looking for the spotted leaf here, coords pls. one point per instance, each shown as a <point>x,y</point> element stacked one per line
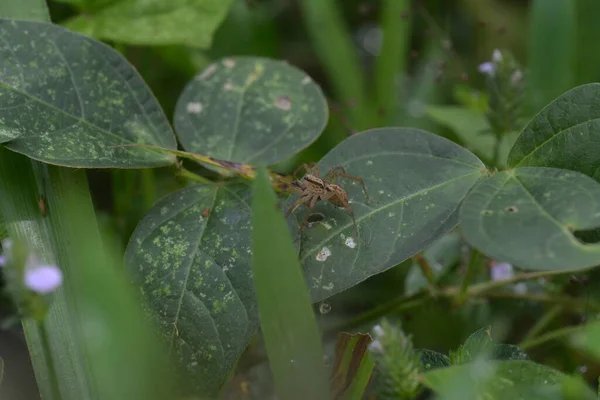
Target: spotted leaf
<point>69,100</point>
<point>527,216</point>
<point>191,257</point>
<point>250,110</point>
<point>416,181</point>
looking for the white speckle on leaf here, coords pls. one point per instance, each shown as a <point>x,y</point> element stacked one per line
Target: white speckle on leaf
<point>194,108</point>
<point>328,287</point>
<point>350,242</point>
<point>381,192</point>
<point>326,225</point>
<point>228,86</point>
<point>306,80</point>
<point>391,214</point>
<point>323,254</point>
<point>369,162</point>
<point>208,71</point>
<point>229,63</point>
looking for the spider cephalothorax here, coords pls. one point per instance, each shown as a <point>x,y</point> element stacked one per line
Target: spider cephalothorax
<point>312,189</point>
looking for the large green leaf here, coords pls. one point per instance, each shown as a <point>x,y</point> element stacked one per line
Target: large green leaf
<point>287,320</point>
<point>527,216</point>
<point>70,100</point>
<point>416,181</point>
<point>565,134</point>
<point>496,380</point>
<point>155,22</point>
<point>250,110</point>
<point>191,256</point>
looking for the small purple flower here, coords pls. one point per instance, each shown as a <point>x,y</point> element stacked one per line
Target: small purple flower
<point>2,261</point>
<point>488,68</point>
<point>43,278</point>
<point>501,271</point>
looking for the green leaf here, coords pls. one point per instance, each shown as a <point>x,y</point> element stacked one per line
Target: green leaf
<point>494,380</point>
<point>478,345</point>
<point>416,181</point>
<point>191,256</point>
<point>155,22</point>
<point>353,366</point>
<point>527,216</point>
<point>508,352</point>
<point>589,339</point>
<point>69,100</point>
<point>1,372</point>
<point>287,320</point>
<point>473,129</point>
<point>565,134</point>
<point>432,359</point>
<point>441,256</point>
<point>552,50</point>
<point>250,110</point>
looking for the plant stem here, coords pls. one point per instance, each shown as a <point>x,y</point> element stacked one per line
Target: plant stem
<point>542,323</point>
<point>472,270</point>
<point>45,344</point>
<point>333,44</point>
<point>427,271</point>
<point>486,286</point>
<point>392,58</point>
<point>551,336</point>
<point>148,187</point>
<point>192,176</point>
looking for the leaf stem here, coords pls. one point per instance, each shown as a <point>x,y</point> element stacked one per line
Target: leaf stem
<point>542,323</point>
<point>551,336</point>
<point>187,174</point>
<point>148,187</point>
<point>427,271</point>
<point>472,270</point>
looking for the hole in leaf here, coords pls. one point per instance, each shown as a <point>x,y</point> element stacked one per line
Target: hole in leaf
<point>314,219</point>
<point>588,236</point>
<point>511,209</point>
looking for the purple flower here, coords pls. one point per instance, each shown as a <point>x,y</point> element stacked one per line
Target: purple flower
<point>43,278</point>
<point>501,271</point>
<point>2,261</point>
<point>488,68</point>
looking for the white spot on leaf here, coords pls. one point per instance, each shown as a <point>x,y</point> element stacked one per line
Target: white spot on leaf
<point>306,80</point>
<point>194,108</point>
<point>228,86</point>
<point>350,242</point>
<point>229,63</point>
<point>323,254</point>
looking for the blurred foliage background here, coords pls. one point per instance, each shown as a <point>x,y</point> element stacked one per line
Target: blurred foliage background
<point>436,47</point>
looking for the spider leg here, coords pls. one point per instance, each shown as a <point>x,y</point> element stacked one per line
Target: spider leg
<point>304,166</point>
<point>297,203</point>
<point>349,209</point>
<point>313,202</point>
<point>354,178</point>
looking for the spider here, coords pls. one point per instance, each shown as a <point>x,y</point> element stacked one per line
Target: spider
<point>312,189</point>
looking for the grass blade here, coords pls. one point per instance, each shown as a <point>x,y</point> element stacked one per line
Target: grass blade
<point>288,324</point>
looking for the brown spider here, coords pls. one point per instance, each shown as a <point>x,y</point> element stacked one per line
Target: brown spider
<point>312,189</point>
